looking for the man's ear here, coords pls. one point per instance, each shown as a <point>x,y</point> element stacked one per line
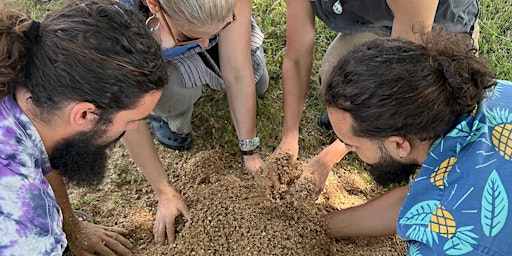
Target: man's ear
<point>82,115</point>
<point>398,146</point>
<point>153,5</point>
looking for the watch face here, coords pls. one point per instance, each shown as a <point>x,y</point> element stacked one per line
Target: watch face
<point>337,8</point>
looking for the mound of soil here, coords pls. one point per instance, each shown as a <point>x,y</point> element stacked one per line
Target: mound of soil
<point>231,213</point>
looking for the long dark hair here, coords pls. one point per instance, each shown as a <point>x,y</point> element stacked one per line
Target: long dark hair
<point>96,51</point>
<point>394,87</point>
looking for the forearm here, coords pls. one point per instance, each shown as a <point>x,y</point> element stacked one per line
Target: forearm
<point>237,72</point>
<point>61,195</point>
<point>296,82</point>
<point>242,106</point>
<point>334,152</point>
<point>297,64</point>
<point>141,148</point>
<point>411,17</point>
<point>375,218</point>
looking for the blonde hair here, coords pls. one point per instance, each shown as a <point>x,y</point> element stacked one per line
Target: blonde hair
<point>198,13</point>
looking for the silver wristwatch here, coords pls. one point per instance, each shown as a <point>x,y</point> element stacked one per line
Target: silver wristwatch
<point>249,143</point>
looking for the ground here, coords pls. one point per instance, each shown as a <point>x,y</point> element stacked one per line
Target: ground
<point>231,214</point>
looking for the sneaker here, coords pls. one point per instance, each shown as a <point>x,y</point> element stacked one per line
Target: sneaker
<point>324,121</point>
<point>167,137</point>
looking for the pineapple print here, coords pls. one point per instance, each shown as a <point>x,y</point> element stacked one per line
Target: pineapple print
<point>501,121</point>
<point>442,222</point>
<point>441,172</point>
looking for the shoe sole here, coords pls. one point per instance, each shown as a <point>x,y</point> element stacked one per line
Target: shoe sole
<point>158,121</point>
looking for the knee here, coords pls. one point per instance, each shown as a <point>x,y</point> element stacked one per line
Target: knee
<point>262,83</point>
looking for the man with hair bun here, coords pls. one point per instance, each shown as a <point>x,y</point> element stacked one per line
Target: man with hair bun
<point>430,113</point>
<point>355,22</point>
<point>70,87</point>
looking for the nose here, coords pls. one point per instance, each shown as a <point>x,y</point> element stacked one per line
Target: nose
<point>204,42</point>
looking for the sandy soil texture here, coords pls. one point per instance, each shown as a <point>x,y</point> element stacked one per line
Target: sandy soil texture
<point>231,213</point>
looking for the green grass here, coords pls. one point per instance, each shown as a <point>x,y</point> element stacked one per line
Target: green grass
<point>496,36</point>
<point>212,122</point>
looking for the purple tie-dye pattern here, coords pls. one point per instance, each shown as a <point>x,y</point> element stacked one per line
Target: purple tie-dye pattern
<point>8,134</point>
<point>29,214</point>
<point>34,208</point>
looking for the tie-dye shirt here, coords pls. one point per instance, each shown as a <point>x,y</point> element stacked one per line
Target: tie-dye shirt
<point>30,219</point>
<point>460,201</point>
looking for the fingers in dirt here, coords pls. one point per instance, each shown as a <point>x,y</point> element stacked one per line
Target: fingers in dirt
<point>171,233</point>
<point>121,231</point>
<point>122,240</point>
<point>159,233</point>
<point>106,249</point>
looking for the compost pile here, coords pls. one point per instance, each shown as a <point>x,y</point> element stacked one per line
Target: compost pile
<point>231,213</point>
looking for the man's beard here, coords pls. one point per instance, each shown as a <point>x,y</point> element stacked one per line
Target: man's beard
<point>390,171</point>
<point>81,158</point>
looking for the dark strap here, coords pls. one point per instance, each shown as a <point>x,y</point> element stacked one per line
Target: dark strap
<point>251,151</point>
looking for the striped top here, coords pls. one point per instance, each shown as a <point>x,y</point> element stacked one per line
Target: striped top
<point>197,67</point>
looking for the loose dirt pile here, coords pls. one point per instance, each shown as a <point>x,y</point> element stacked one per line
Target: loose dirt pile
<point>231,214</point>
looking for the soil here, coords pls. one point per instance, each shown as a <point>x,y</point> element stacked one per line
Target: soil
<point>231,213</point>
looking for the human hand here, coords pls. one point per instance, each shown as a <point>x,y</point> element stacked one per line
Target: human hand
<point>254,164</point>
<point>287,147</point>
<point>258,169</point>
<point>316,172</point>
<point>318,167</point>
<point>170,205</point>
<point>87,238</point>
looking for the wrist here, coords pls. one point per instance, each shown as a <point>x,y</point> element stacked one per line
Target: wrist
<point>164,190</point>
<point>249,144</point>
<point>70,224</point>
<point>250,152</point>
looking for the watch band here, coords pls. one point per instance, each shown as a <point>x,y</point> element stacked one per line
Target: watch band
<point>250,152</point>
<point>249,143</point>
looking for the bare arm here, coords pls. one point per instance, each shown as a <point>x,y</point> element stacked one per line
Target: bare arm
<point>61,195</point>
<point>321,165</point>
<point>297,64</point>
<point>375,218</point>
<point>141,147</point>
<point>410,15</point>
<point>236,68</point>
<point>86,238</point>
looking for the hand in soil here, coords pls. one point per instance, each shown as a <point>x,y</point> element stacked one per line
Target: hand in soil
<point>305,188</point>
<point>265,179</point>
<point>316,173</point>
<point>253,164</point>
<point>280,172</point>
<point>291,150</point>
<point>170,205</point>
<point>88,238</point>
<point>258,169</point>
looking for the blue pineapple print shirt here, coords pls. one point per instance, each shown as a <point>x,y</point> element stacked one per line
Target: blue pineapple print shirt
<point>460,201</point>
